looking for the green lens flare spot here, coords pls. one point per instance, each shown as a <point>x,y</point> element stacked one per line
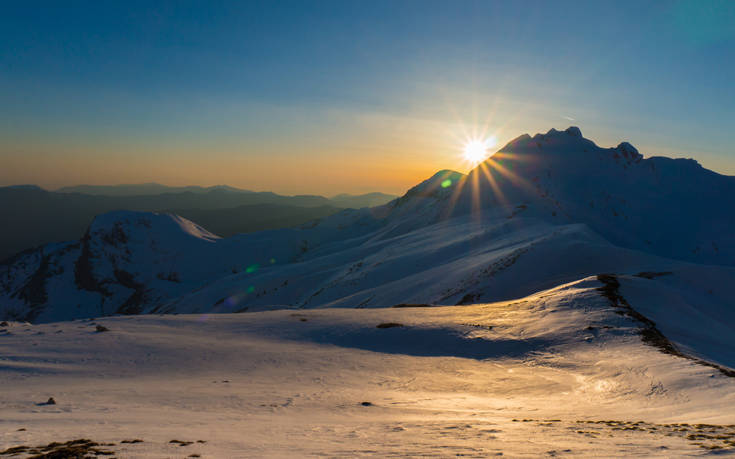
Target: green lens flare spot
<point>251,289</point>
<point>446,183</point>
<point>252,268</point>
<point>273,261</point>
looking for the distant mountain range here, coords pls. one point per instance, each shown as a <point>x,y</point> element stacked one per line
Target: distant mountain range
<point>33,216</point>
<point>143,189</point>
<point>345,200</point>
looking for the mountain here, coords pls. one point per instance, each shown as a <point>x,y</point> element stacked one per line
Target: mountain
<point>669,207</point>
<point>362,200</point>
<point>545,210</point>
<point>143,189</point>
<point>254,217</point>
<point>34,216</point>
<point>344,200</point>
<point>561,298</point>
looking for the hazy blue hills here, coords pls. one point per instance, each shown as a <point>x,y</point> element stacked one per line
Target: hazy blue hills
<point>253,217</point>
<point>142,189</point>
<point>34,216</point>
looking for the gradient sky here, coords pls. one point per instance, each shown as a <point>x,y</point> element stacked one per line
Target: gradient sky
<point>327,97</point>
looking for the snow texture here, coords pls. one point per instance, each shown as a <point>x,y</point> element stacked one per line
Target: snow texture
<point>560,299</point>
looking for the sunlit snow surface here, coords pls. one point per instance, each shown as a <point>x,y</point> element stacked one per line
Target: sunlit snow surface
<point>636,362</point>
<point>521,378</point>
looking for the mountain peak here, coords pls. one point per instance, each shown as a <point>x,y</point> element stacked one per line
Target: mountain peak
<point>120,223</point>
<point>571,130</point>
<point>442,179</point>
<point>435,185</point>
<point>570,137</point>
<point>568,140</point>
<point>628,150</point>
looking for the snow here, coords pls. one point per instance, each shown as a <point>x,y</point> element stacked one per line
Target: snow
<point>557,281</point>
<point>285,383</point>
<point>556,203</point>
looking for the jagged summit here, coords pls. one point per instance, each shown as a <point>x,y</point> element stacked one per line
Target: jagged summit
<point>629,151</point>
<point>587,156</point>
<point>574,130</point>
<point>568,138</point>
<point>571,130</point>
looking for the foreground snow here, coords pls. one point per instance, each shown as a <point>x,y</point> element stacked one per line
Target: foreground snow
<point>562,372</point>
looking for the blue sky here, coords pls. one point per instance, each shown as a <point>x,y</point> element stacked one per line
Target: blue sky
<point>281,95</point>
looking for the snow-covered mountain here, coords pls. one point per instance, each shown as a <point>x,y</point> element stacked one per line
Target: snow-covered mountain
<point>543,211</point>
<point>561,298</point>
<point>669,207</point>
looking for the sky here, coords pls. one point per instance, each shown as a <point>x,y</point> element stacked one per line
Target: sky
<point>349,96</point>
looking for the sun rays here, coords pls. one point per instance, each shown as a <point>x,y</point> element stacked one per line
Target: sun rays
<point>492,176</point>
<point>476,150</point>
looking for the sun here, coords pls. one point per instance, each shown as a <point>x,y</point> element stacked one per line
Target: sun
<point>475,150</point>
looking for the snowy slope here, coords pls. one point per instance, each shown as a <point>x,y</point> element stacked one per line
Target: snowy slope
<point>135,262</point>
<point>126,262</point>
<point>587,311</point>
<point>562,372</point>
